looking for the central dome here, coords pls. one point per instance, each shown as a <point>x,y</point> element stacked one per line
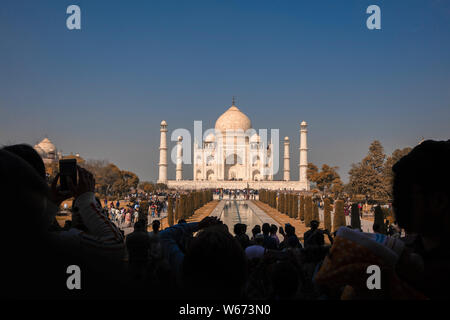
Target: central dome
<point>233,119</point>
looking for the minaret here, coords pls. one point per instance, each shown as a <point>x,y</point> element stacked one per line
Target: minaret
<point>287,171</point>
<point>179,175</point>
<point>303,153</point>
<point>163,154</point>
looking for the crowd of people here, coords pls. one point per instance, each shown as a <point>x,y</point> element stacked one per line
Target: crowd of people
<point>206,260</point>
<point>125,216</point>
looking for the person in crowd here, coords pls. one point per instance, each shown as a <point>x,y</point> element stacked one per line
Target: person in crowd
<point>90,249</point>
<point>256,250</point>
<point>269,242</point>
<point>240,235</point>
<point>155,244</point>
<point>128,218</point>
<point>421,203</point>
<point>314,236</point>
<point>273,233</point>
<point>138,248</point>
<point>289,236</point>
<point>135,216</point>
<point>213,251</point>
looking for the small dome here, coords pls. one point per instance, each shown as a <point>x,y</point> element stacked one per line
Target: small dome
<point>303,123</point>
<point>233,119</point>
<point>210,138</point>
<point>47,146</point>
<point>164,123</point>
<point>255,138</point>
<point>286,138</point>
<point>180,138</point>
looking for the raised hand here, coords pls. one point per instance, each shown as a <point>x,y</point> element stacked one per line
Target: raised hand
<point>56,195</point>
<point>86,182</point>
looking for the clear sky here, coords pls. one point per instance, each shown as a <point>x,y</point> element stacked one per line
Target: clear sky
<point>102,91</point>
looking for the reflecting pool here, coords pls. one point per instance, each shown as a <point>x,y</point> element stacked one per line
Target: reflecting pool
<point>237,211</point>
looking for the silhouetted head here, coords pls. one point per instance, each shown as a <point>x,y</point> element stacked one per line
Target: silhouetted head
<point>214,265</point>
<point>139,226</point>
<point>314,224</point>
<point>181,221</point>
<point>24,192</point>
<point>27,153</point>
<point>156,225</point>
<point>266,228</point>
<point>256,229</point>
<point>273,229</point>
<point>239,229</point>
<point>421,189</point>
<point>292,241</point>
<point>290,230</point>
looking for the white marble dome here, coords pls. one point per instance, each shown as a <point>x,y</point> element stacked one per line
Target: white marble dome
<point>233,119</point>
<point>255,138</point>
<point>46,146</point>
<point>210,138</point>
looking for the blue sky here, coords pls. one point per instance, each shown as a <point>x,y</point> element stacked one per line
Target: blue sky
<point>102,91</point>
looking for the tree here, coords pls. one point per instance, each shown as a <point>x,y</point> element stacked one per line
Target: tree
<point>302,208</point>
<point>177,210</point>
<point>308,211</point>
<point>337,188</point>
<point>312,172</point>
<point>295,210</point>
<point>327,214</point>
<point>339,217</point>
<point>147,186</point>
<point>315,215</point>
<point>327,177</point>
<point>367,177</point>
<point>130,179</point>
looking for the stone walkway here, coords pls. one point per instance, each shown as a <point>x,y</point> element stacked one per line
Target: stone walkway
<point>282,219</point>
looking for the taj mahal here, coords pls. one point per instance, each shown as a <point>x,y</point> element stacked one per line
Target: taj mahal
<point>234,156</point>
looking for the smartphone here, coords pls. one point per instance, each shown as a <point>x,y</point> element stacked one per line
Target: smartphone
<point>67,168</point>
